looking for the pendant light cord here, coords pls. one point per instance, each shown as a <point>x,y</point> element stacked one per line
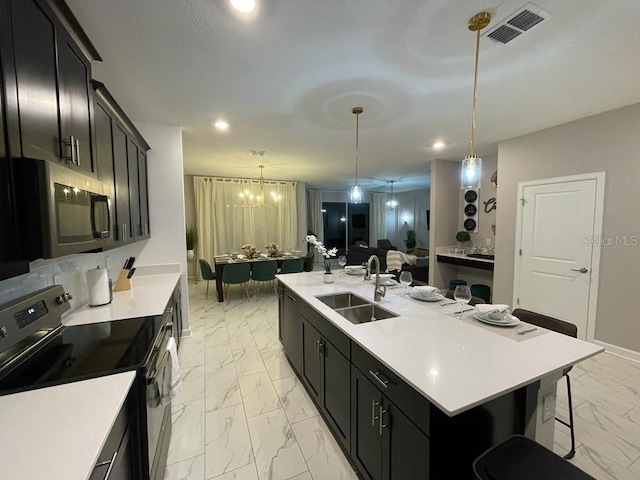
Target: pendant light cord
<point>475,93</point>
<point>357,130</point>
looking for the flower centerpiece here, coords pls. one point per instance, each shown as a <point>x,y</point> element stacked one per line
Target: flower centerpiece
<point>273,249</point>
<point>249,250</point>
<point>327,254</point>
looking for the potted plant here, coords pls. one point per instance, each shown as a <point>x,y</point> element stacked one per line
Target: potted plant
<point>410,241</point>
<point>462,237</point>
<point>327,254</point>
<point>192,240</point>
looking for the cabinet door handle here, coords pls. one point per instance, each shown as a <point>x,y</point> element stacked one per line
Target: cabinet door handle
<point>71,144</point>
<point>381,425</point>
<point>374,417</point>
<point>317,355</point>
<point>77,151</point>
<point>293,299</point>
<point>321,348</point>
<point>384,383</point>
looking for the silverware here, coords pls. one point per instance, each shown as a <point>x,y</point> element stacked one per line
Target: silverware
<point>524,332</point>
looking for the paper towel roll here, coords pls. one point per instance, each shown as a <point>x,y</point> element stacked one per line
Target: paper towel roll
<point>98,284</point>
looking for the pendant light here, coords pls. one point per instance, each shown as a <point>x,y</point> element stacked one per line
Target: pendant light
<point>392,203</point>
<point>356,192</point>
<point>472,164</point>
<point>249,200</point>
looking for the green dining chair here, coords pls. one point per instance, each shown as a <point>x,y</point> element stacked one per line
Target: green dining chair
<point>264,271</point>
<point>236,274</point>
<point>294,265</point>
<point>207,274</point>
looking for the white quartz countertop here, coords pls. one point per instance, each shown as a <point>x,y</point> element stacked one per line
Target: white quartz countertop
<point>58,432</point>
<point>454,363</point>
<point>148,297</point>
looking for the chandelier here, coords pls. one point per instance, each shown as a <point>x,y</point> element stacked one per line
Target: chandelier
<point>356,192</point>
<point>260,199</point>
<point>472,164</point>
<point>392,203</point>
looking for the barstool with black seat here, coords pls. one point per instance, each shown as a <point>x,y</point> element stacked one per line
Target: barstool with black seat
<point>520,458</point>
<point>565,328</point>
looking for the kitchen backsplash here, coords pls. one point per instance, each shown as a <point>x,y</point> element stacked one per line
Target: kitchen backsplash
<point>69,272</point>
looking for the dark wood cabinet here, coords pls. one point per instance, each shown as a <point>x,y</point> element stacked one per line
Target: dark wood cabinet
<point>51,73</point>
<point>291,327</point>
<point>385,444</point>
<point>121,155</point>
<point>34,51</point>
<point>326,373</point>
<point>76,103</point>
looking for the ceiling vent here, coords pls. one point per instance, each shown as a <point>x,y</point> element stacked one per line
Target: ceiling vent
<point>516,24</point>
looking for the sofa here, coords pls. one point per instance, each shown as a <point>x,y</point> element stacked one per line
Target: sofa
<point>357,255</point>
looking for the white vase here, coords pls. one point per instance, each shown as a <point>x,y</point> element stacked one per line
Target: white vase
<point>327,277</point>
<point>191,254</point>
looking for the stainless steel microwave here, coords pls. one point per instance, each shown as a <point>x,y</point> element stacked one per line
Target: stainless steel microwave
<point>60,211</point>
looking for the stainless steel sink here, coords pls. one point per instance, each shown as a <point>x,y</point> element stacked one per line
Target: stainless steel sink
<point>365,313</point>
<point>342,300</point>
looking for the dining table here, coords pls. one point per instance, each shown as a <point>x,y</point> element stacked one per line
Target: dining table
<point>220,262</point>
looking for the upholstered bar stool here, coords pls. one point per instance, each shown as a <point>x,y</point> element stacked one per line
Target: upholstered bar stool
<point>520,458</point>
<point>482,291</point>
<point>454,283</point>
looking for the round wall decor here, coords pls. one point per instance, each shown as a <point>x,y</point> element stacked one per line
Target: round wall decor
<point>469,224</point>
<point>471,196</point>
<point>470,210</point>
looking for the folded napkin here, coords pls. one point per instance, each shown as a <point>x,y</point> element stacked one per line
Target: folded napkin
<point>353,267</point>
<point>490,308</point>
<point>425,288</point>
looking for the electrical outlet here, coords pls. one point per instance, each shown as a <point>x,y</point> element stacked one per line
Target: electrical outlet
<point>488,242</point>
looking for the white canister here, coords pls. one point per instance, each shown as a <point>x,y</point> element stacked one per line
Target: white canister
<point>99,287</point>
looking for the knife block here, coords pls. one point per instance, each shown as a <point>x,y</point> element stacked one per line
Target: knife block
<point>122,283</point>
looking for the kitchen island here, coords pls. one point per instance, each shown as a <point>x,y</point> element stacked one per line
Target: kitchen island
<point>453,386</point>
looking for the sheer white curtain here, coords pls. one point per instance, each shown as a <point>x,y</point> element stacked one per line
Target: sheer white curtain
<point>378,219</point>
<point>316,223</point>
<point>225,222</point>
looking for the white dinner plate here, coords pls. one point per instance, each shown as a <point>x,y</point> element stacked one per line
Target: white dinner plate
<point>427,296</point>
<point>387,282</point>
<point>498,323</point>
<point>353,271</point>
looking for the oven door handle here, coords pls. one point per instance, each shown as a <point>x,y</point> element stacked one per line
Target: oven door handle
<point>158,368</point>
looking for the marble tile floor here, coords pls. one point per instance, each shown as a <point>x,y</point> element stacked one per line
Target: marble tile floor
<point>243,414</point>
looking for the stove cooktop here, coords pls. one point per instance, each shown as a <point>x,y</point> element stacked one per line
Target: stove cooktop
<point>37,351</point>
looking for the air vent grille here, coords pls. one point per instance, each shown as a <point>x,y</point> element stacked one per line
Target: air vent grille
<point>525,20</point>
<point>503,34</point>
<point>516,24</point>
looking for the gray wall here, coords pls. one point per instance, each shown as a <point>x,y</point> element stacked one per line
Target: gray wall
<point>410,214</point>
<point>445,198</point>
<point>608,142</point>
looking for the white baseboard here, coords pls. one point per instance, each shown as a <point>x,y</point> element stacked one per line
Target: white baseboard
<point>620,351</point>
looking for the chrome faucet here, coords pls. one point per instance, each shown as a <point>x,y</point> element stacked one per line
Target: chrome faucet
<point>379,291</point>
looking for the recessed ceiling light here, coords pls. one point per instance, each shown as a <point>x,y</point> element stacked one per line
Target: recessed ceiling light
<point>438,145</point>
<point>244,6</point>
<point>221,125</point>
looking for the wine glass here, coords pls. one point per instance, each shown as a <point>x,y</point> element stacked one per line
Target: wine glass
<point>406,279</point>
<point>342,261</point>
<point>462,295</point>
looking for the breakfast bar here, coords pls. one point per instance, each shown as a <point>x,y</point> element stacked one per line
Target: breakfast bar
<point>473,379</point>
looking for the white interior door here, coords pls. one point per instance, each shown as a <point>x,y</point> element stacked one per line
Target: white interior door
<point>556,260</point>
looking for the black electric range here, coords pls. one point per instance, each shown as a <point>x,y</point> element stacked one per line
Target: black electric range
<point>37,351</point>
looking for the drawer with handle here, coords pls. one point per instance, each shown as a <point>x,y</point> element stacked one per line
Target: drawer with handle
<point>393,387</point>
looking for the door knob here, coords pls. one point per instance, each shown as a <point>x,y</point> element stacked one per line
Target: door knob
<point>581,270</point>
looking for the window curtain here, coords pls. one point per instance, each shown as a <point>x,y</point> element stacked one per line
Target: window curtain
<point>228,215</point>
<point>316,224</point>
<point>378,218</point>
